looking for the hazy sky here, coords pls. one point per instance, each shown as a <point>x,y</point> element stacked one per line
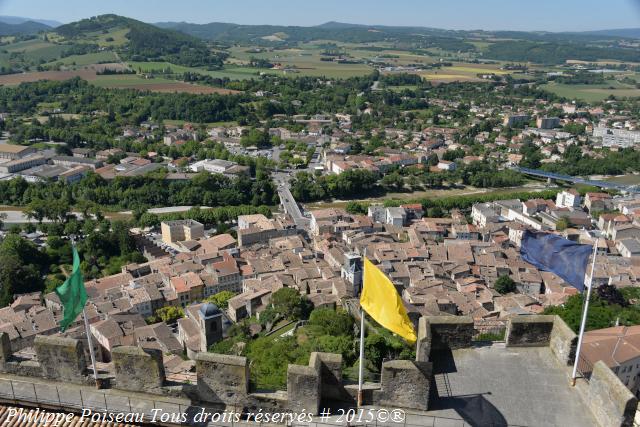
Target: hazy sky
<point>549,15</point>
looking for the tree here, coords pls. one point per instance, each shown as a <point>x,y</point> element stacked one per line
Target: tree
<point>562,224</point>
<point>290,304</point>
<point>611,295</point>
<point>505,285</point>
<point>393,181</point>
<point>356,208</point>
<point>270,358</point>
<point>169,314</point>
<point>326,321</point>
<point>221,299</point>
<point>602,313</point>
<point>37,210</point>
<point>21,268</point>
<point>149,219</point>
<point>3,216</point>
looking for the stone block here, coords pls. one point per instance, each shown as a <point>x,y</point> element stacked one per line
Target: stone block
<point>529,331</point>
<point>563,342</point>
<point>222,378</point>
<point>138,369</point>
<point>423,344</point>
<point>330,366</point>
<point>61,359</point>
<point>303,389</point>
<point>612,404</point>
<point>5,349</point>
<point>405,384</point>
<point>450,332</point>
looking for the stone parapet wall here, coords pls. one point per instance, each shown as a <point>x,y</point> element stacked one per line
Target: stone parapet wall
<point>222,378</point>
<point>563,342</point>
<point>138,369</point>
<point>529,331</point>
<point>61,358</point>
<point>444,332</point>
<point>611,403</point>
<point>405,384</point>
<point>225,380</point>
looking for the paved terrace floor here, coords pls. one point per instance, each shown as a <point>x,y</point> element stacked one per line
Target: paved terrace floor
<point>498,386</point>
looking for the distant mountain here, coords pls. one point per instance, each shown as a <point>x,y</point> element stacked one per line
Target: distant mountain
<point>521,46</point>
<point>19,20</point>
<point>27,27</point>
<point>346,32</point>
<point>333,25</point>
<point>209,31</point>
<point>633,33</point>
<point>259,34</point>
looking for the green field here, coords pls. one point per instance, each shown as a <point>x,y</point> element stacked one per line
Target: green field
<point>461,71</point>
<point>231,72</point>
<point>592,93</point>
<point>127,80</point>
<point>36,50</point>
<point>87,59</point>
<point>306,61</point>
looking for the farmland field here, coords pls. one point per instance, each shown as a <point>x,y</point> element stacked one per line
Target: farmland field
<point>306,62</point>
<point>132,81</point>
<point>461,71</point>
<point>232,72</point>
<point>37,49</point>
<point>86,59</point>
<point>127,81</point>
<point>592,93</point>
<point>15,79</point>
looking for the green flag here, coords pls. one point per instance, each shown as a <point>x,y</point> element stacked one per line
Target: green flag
<point>72,293</point>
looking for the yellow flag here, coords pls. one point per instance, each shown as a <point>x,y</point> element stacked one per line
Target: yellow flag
<point>381,300</point>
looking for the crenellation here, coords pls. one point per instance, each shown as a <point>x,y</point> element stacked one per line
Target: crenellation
<point>530,331</point>
<point>138,369</point>
<point>61,358</point>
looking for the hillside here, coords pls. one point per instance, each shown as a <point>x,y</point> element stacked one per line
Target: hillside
<point>138,41</point>
<point>23,28</point>
<point>227,32</point>
<point>539,47</point>
<point>633,33</point>
<point>20,19</point>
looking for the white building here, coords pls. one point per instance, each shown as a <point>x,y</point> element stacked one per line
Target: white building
<point>446,165</point>
<point>483,214</point>
<point>620,138</point>
<point>568,199</point>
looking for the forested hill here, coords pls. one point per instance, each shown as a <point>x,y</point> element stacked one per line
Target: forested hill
<point>28,27</point>
<point>227,32</point>
<point>538,47</point>
<point>144,42</point>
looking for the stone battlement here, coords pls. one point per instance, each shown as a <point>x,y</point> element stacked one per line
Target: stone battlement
<point>224,381</point>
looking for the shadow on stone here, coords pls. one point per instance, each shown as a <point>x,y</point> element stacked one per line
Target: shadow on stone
<point>443,362</point>
<point>475,410</point>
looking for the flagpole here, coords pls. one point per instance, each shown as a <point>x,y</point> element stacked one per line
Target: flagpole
<point>90,342</point>
<point>584,314</point>
<point>361,364</point>
<point>88,332</point>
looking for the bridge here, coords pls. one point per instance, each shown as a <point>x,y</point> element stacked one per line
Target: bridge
<point>291,207</point>
<point>577,180</point>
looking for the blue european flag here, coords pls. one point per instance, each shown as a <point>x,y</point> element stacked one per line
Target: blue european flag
<point>549,252</point>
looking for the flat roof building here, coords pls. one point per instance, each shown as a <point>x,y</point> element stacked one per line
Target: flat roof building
<point>181,230</point>
<point>13,152</point>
